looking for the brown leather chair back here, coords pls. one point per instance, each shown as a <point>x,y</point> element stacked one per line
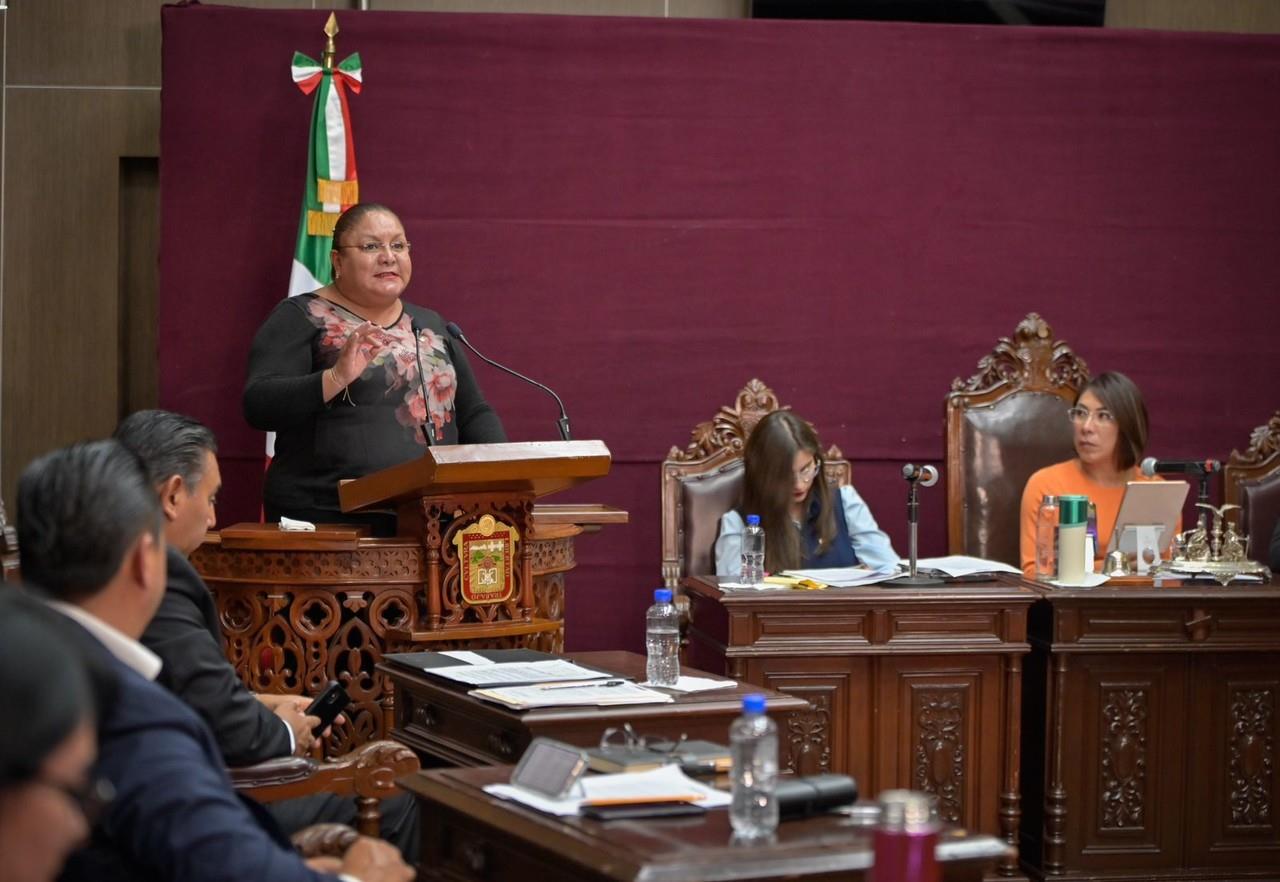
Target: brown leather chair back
<point>703,481</point>
<point>1004,423</point>
<point>1251,480</point>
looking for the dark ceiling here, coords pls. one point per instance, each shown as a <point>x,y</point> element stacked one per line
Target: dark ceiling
<point>1075,13</point>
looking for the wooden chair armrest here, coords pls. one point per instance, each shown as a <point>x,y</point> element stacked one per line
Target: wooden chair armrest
<point>369,771</point>
<point>324,840</point>
<point>273,772</point>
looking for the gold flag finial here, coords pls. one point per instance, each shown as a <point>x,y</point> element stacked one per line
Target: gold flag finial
<point>330,50</point>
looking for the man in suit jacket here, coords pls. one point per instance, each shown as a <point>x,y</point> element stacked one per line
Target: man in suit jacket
<point>180,456</point>
<point>90,536</point>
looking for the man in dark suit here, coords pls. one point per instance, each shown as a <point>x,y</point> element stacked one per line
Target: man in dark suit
<point>180,456</point>
<point>90,534</point>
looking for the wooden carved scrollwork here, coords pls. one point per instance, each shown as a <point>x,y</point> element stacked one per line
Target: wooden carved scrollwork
<point>1251,757</point>
<point>1031,359</point>
<point>809,737</point>
<point>8,548</point>
<point>939,756</point>
<point>1124,758</point>
<point>1264,443</point>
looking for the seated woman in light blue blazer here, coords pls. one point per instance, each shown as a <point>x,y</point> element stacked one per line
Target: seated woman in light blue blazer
<point>806,525</point>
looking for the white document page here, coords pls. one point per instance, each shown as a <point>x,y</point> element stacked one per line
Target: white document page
<point>665,781</point>
<point>471,658</point>
<point>516,672</point>
<point>963,565</point>
<point>847,577</point>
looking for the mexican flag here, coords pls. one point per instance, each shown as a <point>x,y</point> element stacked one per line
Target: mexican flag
<point>331,185</point>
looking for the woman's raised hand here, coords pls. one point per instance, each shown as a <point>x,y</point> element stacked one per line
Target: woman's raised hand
<point>361,347</point>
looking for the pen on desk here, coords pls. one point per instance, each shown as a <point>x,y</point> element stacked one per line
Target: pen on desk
<point>583,685</point>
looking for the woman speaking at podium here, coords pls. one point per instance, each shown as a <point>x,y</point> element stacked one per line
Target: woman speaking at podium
<point>352,379</point>
<point>806,526</point>
<point>1109,432</point>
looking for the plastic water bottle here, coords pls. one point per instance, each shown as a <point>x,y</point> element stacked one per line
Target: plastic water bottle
<point>1047,539</point>
<point>753,744</point>
<point>752,552</point>
<point>662,640</point>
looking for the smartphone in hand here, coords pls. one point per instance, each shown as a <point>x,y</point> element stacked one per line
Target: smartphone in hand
<point>328,705</point>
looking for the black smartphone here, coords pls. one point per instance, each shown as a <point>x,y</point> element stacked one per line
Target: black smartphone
<point>328,705</point>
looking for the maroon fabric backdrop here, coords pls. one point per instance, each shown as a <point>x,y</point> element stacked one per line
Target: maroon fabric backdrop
<point>646,213</point>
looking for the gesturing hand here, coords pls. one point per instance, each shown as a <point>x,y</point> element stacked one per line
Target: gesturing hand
<point>361,348</point>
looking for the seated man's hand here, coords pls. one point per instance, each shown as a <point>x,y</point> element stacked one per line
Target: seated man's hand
<point>299,723</point>
<point>372,860</point>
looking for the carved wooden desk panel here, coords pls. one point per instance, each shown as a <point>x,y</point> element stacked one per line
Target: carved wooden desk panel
<point>298,611</point>
<point>469,835</point>
<point>445,725</point>
<point>916,688</point>
<point>1151,734</point>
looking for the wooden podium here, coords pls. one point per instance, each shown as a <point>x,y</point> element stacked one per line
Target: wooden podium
<point>299,608</point>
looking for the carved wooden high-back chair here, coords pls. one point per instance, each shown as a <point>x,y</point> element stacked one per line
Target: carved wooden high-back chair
<point>9,571</point>
<point>1251,480</point>
<point>703,481</point>
<point>1004,423</point>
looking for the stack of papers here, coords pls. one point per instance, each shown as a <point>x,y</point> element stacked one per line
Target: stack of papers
<point>667,783</point>
<point>516,672</point>
<point>957,565</point>
<point>697,684</point>
<point>605,692</point>
<point>846,577</point>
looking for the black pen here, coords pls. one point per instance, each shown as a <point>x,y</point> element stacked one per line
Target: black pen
<point>583,685</point>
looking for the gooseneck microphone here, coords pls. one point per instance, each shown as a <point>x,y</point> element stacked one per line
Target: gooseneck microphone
<point>562,423</point>
<point>1152,466</point>
<point>422,383</point>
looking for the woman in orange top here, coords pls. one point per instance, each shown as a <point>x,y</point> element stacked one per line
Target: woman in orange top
<point>1109,424</point>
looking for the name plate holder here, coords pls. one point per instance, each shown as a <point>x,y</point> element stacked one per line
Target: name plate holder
<point>1142,541</point>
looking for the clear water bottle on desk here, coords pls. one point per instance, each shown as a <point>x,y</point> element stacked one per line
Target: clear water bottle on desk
<point>662,640</point>
<point>753,745</point>
<point>752,552</point>
<point>1047,539</point>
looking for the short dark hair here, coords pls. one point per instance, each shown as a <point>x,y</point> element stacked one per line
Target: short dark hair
<point>1121,396</point>
<point>168,444</point>
<point>80,509</point>
<point>353,215</point>
<point>44,682</point>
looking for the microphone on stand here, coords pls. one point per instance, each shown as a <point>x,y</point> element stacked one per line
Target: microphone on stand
<point>1152,466</point>
<point>1201,468</point>
<point>422,383</point>
<point>922,476</point>
<point>562,423</point>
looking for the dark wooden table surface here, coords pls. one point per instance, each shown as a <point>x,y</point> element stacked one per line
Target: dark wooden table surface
<point>445,725</point>
<point>469,835</point>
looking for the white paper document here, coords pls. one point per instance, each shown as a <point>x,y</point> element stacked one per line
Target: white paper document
<point>664,781</point>
<point>605,692</point>
<point>1088,580</point>
<point>516,672</point>
<point>956,565</point>
<point>846,577</point>
<point>695,684</point>
<point>471,658</point>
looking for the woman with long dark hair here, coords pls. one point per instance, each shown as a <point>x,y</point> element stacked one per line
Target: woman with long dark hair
<point>807,524</point>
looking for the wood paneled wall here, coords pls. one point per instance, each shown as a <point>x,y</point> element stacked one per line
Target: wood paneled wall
<point>80,124</point>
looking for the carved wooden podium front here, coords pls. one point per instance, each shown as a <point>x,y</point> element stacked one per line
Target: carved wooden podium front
<point>475,564</point>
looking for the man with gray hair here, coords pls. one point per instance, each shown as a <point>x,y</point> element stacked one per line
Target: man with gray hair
<point>180,455</point>
<point>90,537</point>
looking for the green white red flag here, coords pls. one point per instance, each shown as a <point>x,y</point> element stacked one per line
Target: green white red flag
<point>331,185</point>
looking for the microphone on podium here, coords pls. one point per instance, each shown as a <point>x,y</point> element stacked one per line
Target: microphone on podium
<point>562,423</point>
<point>422,383</point>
